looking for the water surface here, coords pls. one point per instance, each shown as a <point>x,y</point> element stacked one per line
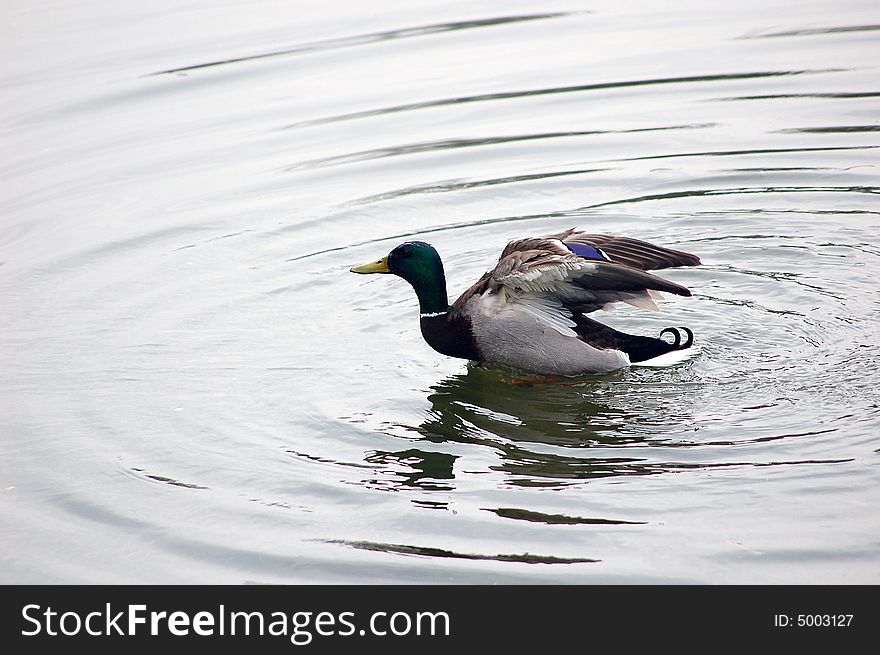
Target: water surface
<point>194,389</point>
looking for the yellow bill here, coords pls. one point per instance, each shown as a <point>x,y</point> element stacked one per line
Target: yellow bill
<point>380,266</point>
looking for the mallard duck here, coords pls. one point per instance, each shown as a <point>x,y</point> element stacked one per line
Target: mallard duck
<point>529,312</point>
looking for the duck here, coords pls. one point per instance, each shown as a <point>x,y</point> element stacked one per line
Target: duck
<point>530,311</point>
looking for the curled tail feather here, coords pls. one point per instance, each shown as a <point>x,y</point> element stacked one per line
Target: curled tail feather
<point>637,348</point>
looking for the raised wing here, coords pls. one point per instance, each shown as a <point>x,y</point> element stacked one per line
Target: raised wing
<point>583,282</point>
<point>557,277</point>
<point>630,252</point>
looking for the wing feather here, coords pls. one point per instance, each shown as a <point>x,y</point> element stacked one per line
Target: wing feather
<point>549,311</point>
<point>630,252</point>
<point>542,276</point>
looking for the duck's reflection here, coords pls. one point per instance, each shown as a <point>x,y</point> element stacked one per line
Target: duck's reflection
<point>545,432</point>
<point>486,403</point>
<point>417,468</point>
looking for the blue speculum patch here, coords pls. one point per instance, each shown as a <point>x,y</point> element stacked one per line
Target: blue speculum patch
<point>587,252</point>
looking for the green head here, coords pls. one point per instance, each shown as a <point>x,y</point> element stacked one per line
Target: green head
<point>419,264</point>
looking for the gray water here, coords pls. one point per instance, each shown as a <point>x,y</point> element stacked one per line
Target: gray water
<point>194,389</point>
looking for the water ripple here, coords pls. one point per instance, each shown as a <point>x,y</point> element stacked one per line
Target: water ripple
<point>424,551</point>
<point>837,95</point>
<point>363,39</point>
<point>578,88</point>
<point>554,519</point>
<point>735,191</point>
<point>813,31</point>
<point>452,144</point>
<point>751,151</point>
<point>447,186</point>
<point>832,130</point>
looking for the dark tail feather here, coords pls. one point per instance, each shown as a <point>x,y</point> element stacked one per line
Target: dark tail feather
<point>636,347</point>
<point>688,342</point>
